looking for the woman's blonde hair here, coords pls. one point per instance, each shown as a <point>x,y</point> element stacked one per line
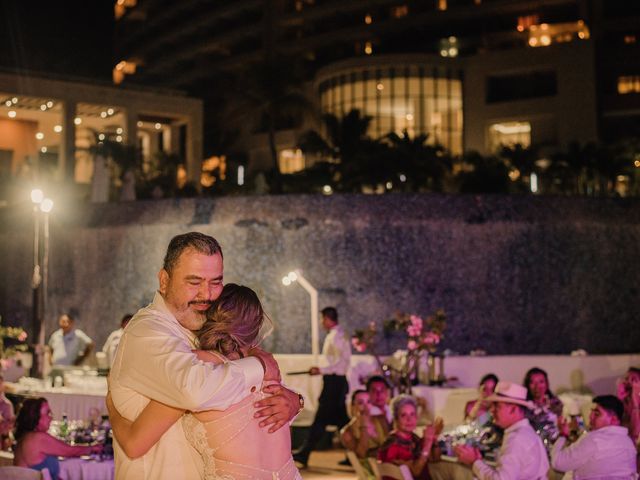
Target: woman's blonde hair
<point>233,321</point>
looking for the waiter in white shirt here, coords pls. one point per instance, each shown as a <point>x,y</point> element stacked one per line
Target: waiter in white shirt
<point>155,360</point>
<point>332,402</point>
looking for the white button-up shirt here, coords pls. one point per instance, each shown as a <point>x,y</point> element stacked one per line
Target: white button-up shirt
<point>111,345</point>
<point>154,360</point>
<point>337,352</point>
<point>66,348</point>
<point>522,456</point>
<point>606,453</point>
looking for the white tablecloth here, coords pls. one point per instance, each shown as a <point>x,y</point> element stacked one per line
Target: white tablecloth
<point>445,402</point>
<point>77,406</point>
<point>79,469</point>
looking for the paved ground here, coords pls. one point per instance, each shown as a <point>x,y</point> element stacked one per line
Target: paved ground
<point>324,465</point>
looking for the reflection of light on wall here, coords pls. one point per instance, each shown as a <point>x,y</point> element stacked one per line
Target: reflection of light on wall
<point>368,48</point>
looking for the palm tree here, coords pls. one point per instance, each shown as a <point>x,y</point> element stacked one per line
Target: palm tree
<point>268,96</point>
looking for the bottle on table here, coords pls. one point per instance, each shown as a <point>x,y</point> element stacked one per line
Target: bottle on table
<point>64,426</point>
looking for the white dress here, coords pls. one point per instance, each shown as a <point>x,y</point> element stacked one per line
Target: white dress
<point>234,447</point>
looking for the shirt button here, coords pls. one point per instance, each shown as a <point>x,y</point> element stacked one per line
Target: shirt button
<point>253,389</point>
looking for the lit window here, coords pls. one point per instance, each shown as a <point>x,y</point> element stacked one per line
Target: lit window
<point>400,11</point>
<point>368,19</point>
<point>509,134</point>
<point>546,34</point>
<point>629,84</point>
<point>291,161</point>
<point>368,48</point>
<point>630,39</point>
<point>213,169</point>
<point>449,47</point>
<point>122,69</point>
<point>120,8</point>
<point>442,4</point>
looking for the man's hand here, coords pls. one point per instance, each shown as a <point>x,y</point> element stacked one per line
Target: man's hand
<point>271,369</point>
<point>467,454</point>
<point>314,371</point>
<point>279,408</point>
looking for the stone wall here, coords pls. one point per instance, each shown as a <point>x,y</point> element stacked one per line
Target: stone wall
<point>514,274</point>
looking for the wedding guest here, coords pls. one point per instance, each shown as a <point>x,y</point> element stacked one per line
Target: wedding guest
<point>403,446</point>
<point>629,394</point>
<point>476,408</point>
<point>364,434</point>
<point>7,418</point>
<point>379,396</point>
<point>69,345</point>
<point>113,339</point>
<point>605,452</point>
<point>522,454</point>
<point>332,402</point>
<point>37,449</point>
<point>536,381</point>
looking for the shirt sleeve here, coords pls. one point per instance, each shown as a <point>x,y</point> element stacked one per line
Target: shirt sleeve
<point>509,464</point>
<point>156,361</point>
<point>86,339</point>
<point>571,457</point>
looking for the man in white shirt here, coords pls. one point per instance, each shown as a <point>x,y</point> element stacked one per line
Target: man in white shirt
<point>69,345</point>
<point>155,360</point>
<point>332,408</point>
<point>522,455</point>
<point>110,346</point>
<point>606,452</point>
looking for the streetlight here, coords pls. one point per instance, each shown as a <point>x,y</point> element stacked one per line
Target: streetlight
<point>296,276</point>
<point>41,205</point>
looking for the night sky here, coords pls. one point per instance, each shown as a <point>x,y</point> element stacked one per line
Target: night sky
<point>66,37</point>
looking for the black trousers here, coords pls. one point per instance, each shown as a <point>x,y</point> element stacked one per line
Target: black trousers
<point>331,410</point>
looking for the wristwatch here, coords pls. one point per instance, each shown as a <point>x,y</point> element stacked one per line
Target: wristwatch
<point>301,402</point>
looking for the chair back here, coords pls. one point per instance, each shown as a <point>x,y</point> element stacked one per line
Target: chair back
<point>373,463</point>
<point>19,473</point>
<point>357,466</point>
<point>397,472</point>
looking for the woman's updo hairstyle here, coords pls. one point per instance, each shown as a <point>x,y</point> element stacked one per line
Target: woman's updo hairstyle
<point>233,321</point>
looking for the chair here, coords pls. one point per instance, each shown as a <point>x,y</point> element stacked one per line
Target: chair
<point>20,473</point>
<point>390,470</point>
<point>357,466</point>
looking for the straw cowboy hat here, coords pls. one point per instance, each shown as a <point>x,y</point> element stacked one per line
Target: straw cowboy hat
<point>508,392</point>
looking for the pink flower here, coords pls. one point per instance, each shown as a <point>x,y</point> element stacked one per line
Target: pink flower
<point>412,345</point>
<point>361,347</point>
<point>23,336</point>
<point>413,331</point>
<point>431,339</point>
<point>416,321</point>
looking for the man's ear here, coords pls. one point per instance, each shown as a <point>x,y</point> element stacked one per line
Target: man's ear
<point>163,280</point>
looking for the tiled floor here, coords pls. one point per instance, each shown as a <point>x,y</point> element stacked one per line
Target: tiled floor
<point>324,465</point>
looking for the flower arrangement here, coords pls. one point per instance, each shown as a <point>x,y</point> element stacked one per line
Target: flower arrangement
<point>16,337</point>
<point>422,335</point>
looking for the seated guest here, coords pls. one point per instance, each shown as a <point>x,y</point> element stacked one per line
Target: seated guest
<point>403,447</point>
<point>69,345</point>
<point>35,448</point>
<point>629,394</point>
<point>364,434</point>
<point>7,418</point>
<point>606,452</point>
<point>379,395</point>
<point>476,408</point>
<point>113,340</point>
<point>522,455</point>
<point>547,407</point>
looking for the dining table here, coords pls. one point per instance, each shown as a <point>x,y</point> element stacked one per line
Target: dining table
<point>86,468</point>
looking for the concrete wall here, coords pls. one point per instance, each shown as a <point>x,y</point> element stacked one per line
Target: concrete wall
<point>514,274</point>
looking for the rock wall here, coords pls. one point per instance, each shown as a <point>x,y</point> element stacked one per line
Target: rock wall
<point>514,274</point>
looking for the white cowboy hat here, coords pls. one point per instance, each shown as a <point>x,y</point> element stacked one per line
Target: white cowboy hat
<point>508,392</point>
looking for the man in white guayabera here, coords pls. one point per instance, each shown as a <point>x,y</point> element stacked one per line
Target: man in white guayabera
<point>155,361</point>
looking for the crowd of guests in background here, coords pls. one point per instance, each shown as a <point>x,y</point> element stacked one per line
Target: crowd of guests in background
<point>536,437</point>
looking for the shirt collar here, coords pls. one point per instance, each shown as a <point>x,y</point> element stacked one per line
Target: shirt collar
<point>516,426</point>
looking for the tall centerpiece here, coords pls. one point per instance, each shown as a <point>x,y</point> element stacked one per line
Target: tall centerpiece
<point>423,335</point>
<point>11,342</point>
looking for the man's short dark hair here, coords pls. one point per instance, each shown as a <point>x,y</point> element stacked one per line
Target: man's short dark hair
<point>331,313</point>
<point>611,404</point>
<point>377,378</point>
<point>200,242</point>
<point>125,319</point>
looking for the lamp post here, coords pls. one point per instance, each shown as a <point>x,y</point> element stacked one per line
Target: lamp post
<point>296,276</point>
<point>39,279</point>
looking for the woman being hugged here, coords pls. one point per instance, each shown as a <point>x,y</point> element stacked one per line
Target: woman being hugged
<point>35,448</point>
<point>231,442</point>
